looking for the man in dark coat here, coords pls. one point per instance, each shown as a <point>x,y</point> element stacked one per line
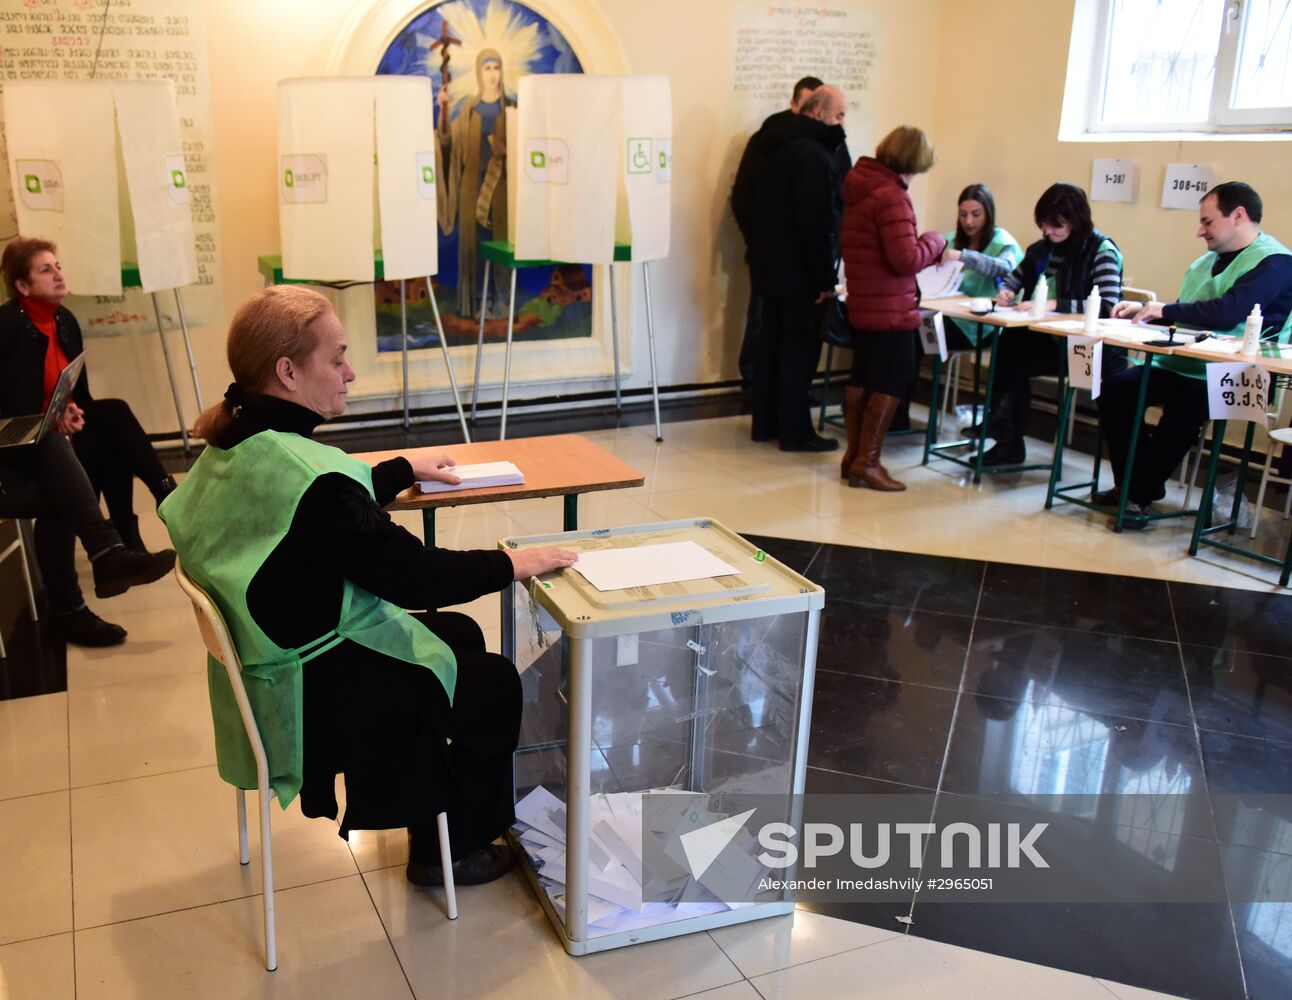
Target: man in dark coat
<point>793,246</point>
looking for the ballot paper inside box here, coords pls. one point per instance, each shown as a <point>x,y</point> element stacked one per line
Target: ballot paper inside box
<point>699,685</point>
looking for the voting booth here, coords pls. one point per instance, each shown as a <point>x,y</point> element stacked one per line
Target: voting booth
<point>700,682</point>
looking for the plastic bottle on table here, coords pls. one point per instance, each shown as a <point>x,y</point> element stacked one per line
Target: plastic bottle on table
<point>1040,297</point>
<point>1092,310</point>
<point>1252,331</point>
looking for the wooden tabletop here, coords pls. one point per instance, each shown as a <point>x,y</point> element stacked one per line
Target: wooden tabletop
<point>552,466</point>
<point>957,307</point>
<point>1273,359</point>
<point>1134,337</point>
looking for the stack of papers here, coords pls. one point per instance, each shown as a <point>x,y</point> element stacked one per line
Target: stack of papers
<point>940,280</point>
<point>1216,346</point>
<point>476,477</point>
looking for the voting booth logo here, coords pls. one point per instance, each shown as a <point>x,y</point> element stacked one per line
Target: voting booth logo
<point>664,160</point>
<point>304,178</point>
<point>177,192</point>
<point>639,156</point>
<point>40,184</point>
<point>547,161</point>
<point>425,163</point>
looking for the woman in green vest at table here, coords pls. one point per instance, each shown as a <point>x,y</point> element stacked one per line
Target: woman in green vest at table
<point>288,537</point>
<point>987,252</point>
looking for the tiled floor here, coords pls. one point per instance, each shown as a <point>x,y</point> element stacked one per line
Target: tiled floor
<point>119,875</point>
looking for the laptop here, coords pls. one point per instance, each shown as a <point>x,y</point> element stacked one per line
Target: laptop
<point>18,432</point>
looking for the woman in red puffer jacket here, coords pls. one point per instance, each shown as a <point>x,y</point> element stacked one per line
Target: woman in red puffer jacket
<point>881,255</point>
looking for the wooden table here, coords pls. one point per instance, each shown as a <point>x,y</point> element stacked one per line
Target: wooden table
<point>989,326</point>
<point>1277,360</point>
<point>1119,334</point>
<point>563,465</point>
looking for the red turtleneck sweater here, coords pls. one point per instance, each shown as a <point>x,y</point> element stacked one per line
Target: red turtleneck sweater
<point>41,314</point>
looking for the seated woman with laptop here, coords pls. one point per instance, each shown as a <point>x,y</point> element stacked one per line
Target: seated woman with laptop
<point>288,537</point>
<point>41,476</point>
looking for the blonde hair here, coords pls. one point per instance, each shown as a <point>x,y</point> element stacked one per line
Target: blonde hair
<point>906,150</point>
<point>274,323</point>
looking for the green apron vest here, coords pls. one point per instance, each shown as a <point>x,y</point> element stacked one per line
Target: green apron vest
<point>1200,285</point>
<point>977,285</point>
<point>225,519</point>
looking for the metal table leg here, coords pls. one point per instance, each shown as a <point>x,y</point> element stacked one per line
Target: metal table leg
<point>986,404</point>
<point>428,527</point>
<point>188,346</point>
<point>571,504</point>
<point>484,301</point>
<point>931,426</point>
<point>825,388</point>
<point>1209,487</point>
<point>1242,476</point>
<point>1066,397</point>
<point>1137,425</point>
<point>614,334</point>
<point>650,336</point>
<point>506,365</point>
<point>448,362</point>
<point>403,346</point>
<point>170,373</point>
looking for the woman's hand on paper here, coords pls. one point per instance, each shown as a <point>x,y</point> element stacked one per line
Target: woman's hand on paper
<point>950,254</point>
<point>536,562</point>
<point>1004,297</point>
<point>434,468</point>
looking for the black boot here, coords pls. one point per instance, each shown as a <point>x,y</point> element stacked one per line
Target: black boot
<point>163,488</point>
<point>83,627</point>
<point>490,862</point>
<point>118,569</point>
<point>128,528</point>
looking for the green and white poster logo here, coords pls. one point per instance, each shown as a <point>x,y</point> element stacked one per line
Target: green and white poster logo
<point>664,160</point>
<point>304,178</point>
<point>547,161</point>
<point>639,158</point>
<point>40,185</point>
<point>177,192</point>
<point>426,176</point>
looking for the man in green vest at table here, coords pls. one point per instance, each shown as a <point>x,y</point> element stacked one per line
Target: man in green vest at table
<point>1243,266</point>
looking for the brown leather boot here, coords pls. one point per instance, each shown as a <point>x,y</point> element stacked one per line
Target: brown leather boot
<point>866,470</point>
<point>854,405</point>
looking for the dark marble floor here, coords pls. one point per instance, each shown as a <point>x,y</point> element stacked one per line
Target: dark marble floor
<point>972,678</point>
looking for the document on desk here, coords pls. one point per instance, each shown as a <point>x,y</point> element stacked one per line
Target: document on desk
<point>476,477</point>
<point>940,280</point>
<point>650,565</point>
<point>1214,345</point>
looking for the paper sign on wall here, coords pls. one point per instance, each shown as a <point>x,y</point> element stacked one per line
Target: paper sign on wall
<point>1185,184</point>
<point>1112,180</point>
<point>1237,391</point>
<point>1085,364</point>
<point>933,334</point>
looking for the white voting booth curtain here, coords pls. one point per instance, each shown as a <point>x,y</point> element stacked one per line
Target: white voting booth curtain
<point>595,166</point>
<point>328,132</point>
<point>63,167</point>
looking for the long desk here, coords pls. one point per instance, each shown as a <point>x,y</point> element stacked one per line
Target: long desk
<point>564,465</point>
<point>1277,360</point>
<point>989,327</point>
<point>1118,333</point>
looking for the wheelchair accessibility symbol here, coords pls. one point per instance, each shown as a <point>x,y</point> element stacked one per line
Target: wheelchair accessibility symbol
<point>639,156</point>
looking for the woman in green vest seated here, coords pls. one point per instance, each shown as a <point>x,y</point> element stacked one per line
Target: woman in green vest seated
<point>986,251</point>
<point>289,538</point>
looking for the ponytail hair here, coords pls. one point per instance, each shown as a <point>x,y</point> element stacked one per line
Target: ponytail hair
<point>274,323</point>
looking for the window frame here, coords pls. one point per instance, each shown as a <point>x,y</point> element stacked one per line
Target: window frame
<point>1222,118</point>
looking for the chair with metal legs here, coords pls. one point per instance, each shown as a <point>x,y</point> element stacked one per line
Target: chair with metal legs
<point>215,635</point>
<point>16,547</point>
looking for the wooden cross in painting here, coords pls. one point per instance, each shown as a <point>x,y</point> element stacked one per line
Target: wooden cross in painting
<point>442,43</point>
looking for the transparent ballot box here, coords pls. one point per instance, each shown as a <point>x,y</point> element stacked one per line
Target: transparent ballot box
<point>652,690</point>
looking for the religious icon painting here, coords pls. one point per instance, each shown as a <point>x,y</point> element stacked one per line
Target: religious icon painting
<point>475,52</point>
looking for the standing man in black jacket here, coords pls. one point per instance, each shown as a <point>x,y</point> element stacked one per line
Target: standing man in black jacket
<point>793,241</point>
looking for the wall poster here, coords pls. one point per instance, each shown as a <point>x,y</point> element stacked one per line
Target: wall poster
<point>475,52</point>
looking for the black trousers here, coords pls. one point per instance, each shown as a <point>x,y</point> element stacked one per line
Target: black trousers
<point>749,345</point>
<point>115,451</point>
<point>384,724</point>
<point>45,481</point>
<point>1022,355</point>
<point>1184,412</point>
<point>787,351</point>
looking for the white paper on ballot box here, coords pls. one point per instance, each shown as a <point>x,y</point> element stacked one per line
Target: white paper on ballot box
<point>153,154</point>
<point>63,168</point>
<point>648,137</point>
<point>406,176</point>
<point>325,177</point>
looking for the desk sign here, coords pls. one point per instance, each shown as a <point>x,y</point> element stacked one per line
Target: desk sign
<point>1112,180</point>
<point>1185,184</point>
<point>1085,363</point>
<point>1238,391</point>
<point>933,334</point>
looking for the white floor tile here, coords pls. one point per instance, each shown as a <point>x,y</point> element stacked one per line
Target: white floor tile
<point>1123,992</point>
<point>35,867</point>
<point>162,642</point>
<point>38,970</point>
<point>33,745</point>
<point>763,946</point>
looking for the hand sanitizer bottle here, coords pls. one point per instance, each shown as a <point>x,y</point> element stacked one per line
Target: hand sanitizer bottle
<point>1040,297</point>
<point>1252,331</point>
<point>1092,309</point>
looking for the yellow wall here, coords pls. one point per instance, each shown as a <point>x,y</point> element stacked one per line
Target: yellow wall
<point>1008,141</point>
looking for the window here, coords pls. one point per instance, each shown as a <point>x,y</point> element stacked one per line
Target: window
<point>1189,65</point>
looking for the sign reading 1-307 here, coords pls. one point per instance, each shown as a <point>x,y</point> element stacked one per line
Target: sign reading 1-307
<point>1184,184</point>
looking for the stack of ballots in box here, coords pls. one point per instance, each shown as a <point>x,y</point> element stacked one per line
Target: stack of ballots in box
<point>615,855</point>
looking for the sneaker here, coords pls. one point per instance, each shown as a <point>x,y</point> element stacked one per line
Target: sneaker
<point>814,443</point>
<point>119,569</point>
<point>83,627</point>
<point>490,862</point>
